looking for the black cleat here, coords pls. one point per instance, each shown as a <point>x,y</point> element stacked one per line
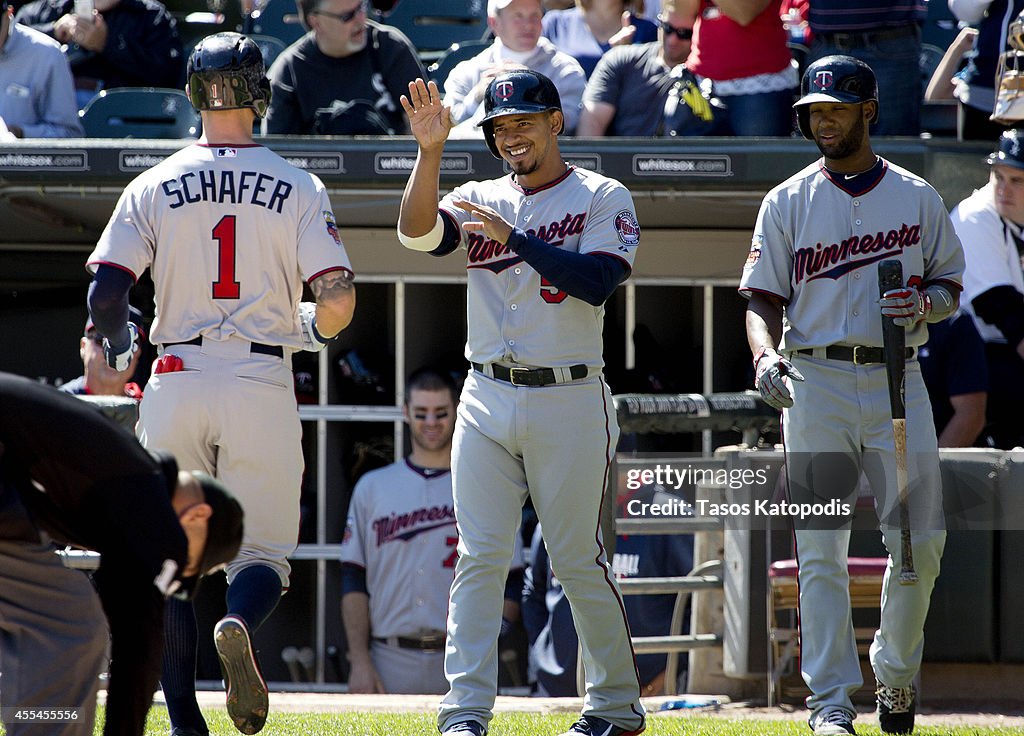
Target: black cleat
<point>896,708</point>
<point>593,726</point>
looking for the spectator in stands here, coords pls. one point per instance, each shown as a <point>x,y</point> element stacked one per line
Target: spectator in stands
<point>942,85</point>
<point>125,43</point>
<point>885,35</point>
<point>396,575</point>
<point>548,618</point>
<point>99,378</point>
<point>741,46</point>
<point>990,224</point>
<point>628,92</point>
<point>344,77</point>
<point>38,96</point>
<point>975,86</point>
<point>590,28</point>
<point>516,25</point>
<point>956,376</point>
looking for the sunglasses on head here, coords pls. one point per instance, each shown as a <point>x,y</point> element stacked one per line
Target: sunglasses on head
<point>683,34</point>
<point>346,17</point>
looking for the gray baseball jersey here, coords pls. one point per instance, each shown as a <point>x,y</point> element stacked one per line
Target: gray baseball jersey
<point>514,316</point>
<point>824,268</point>
<point>991,253</point>
<point>554,443</point>
<point>229,233</point>
<point>816,245</point>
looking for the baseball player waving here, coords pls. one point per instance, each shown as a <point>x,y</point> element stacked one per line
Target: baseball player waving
<point>545,248</point>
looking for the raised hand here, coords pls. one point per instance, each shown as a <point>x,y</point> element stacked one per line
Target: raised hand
<point>486,219</point>
<point>429,120</point>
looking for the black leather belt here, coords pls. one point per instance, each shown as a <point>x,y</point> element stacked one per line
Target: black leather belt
<point>426,644</point>
<point>254,347</point>
<point>858,354</point>
<point>849,39</point>
<point>529,376</point>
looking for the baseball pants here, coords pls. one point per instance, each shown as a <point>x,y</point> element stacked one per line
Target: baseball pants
<point>840,425</point>
<point>409,670</point>
<point>53,640</point>
<point>555,443</point>
<point>233,415</point>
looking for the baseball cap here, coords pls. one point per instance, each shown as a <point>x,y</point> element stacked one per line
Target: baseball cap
<point>1010,151</point>
<point>134,315</point>
<point>493,6</point>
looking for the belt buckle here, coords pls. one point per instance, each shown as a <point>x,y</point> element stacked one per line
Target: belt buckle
<point>512,376</point>
<point>856,355</point>
<point>433,641</point>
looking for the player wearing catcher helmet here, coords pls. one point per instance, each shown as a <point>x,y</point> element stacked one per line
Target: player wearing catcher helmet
<point>230,231</point>
<point>545,248</point>
<point>813,259</point>
<point>69,474</point>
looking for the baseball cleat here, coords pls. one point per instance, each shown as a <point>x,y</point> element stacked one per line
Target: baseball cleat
<point>465,728</point>
<point>896,708</point>
<point>593,726</point>
<point>247,696</point>
<point>832,722</point>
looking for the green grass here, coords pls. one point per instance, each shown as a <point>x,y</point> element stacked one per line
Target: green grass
<point>524,724</point>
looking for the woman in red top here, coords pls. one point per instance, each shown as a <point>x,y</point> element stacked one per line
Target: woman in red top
<point>740,45</point>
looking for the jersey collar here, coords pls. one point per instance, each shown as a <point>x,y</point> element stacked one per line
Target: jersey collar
<point>857,184</point>
<point>565,175</point>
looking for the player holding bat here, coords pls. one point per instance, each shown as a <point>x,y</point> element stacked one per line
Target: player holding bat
<point>814,257</point>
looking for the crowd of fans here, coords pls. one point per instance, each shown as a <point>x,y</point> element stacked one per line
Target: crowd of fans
<point>623,67</point>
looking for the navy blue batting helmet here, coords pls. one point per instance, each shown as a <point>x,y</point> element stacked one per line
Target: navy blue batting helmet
<point>514,93</point>
<point>835,78</point>
<point>226,72</point>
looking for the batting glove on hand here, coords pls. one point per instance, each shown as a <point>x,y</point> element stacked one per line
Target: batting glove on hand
<point>907,306</point>
<point>770,371</point>
<point>120,357</point>
<point>312,340</point>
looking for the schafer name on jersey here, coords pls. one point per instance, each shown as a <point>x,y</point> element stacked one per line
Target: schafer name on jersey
<point>494,256</point>
<point>403,527</point>
<point>227,187</point>
<point>838,259</point>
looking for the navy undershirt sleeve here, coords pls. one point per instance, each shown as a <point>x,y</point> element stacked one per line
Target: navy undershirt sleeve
<point>592,278</point>
<point>353,579</point>
<point>108,304</point>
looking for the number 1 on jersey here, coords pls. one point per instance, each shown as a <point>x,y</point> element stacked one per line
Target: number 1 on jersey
<point>225,287</point>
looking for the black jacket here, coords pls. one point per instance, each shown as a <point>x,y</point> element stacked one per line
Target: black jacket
<point>70,471</point>
<point>143,47</point>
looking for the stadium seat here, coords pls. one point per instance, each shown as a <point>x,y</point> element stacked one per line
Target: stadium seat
<point>434,25</point>
<point>270,46</point>
<point>457,52</point>
<point>140,112</point>
<point>277,18</point>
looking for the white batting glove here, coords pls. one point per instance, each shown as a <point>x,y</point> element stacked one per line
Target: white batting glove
<point>119,358</point>
<point>907,306</point>
<point>770,372</point>
<point>312,340</point>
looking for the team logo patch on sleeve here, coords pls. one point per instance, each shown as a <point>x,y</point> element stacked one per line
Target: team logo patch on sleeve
<point>332,226</point>
<point>755,250</point>
<point>627,228</point>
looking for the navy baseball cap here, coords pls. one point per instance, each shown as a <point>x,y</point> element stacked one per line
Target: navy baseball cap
<point>134,315</point>
<point>1010,151</point>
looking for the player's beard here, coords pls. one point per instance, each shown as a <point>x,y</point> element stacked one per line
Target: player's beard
<point>846,146</point>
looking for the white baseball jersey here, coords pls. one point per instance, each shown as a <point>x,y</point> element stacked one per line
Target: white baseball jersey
<point>823,266</point>
<point>218,226</point>
<point>513,315</point>
<point>990,250</point>
<point>401,530</point>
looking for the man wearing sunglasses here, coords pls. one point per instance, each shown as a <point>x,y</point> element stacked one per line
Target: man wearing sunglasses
<point>344,77</point>
<point>99,379</point>
<point>628,92</point>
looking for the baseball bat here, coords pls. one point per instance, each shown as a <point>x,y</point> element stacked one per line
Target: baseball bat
<point>894,341</point>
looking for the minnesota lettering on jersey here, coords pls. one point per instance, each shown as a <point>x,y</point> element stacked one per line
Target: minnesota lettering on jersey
<point>487,253</point>
<point>838,259</point>
<point>403,527</point>
<point>227,187</point>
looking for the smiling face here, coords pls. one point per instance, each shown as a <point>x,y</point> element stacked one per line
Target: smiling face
<point>529,143</point>
<point>431,418</point>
